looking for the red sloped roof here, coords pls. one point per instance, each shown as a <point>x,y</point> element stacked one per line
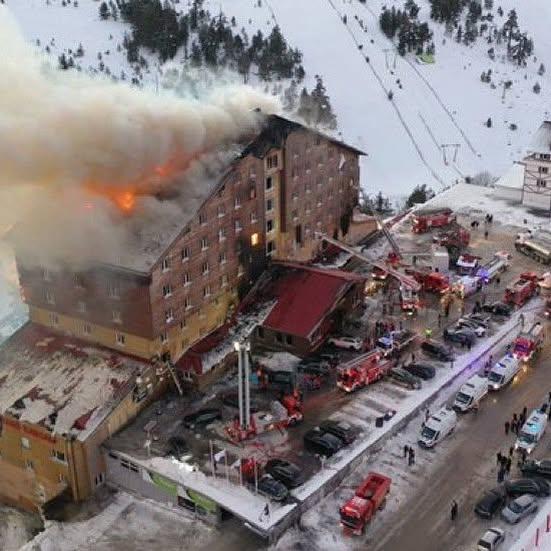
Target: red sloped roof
<point>304,296</point>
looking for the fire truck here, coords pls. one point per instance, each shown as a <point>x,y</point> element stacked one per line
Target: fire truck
<point>432,282</point>
<point>369,498</point>
<point>529,343</point>
<point>468,264</point>
<point>362,371</point>
<point>522,290</point>
<point>426,219</point>
<point>536,246</point>
<point>456,237</point>
<point>497,265</point>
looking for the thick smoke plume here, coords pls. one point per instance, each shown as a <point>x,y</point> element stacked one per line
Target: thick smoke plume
<point>71,143</point>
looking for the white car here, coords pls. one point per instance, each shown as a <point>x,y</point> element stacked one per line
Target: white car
<point>350,343</point>
<point>491,539</point>
<point>479,330</point>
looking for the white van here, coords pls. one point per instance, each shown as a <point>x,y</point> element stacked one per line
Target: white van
<point>532,431</point>
<point>439,425</point>
<point>503,372</point>
<point>471,393</point>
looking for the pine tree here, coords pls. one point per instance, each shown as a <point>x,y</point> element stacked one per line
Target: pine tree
<point>489,4</point>
<point>420,194</point>
<point>541,70</point>
<point>196,55</point>
<point>411,8</point>
<point>489,122</point>
<point>104,11</point>
<point>305,106</point>
<point>537,88</point>
<point>323,111</point>
<point>63,63</point>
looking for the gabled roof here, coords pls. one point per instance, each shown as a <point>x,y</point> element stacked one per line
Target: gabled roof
<point>541,142</point>
<point>304,297</point>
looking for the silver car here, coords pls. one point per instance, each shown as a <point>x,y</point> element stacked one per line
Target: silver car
<point>519,508</point>
<point>491,539</point>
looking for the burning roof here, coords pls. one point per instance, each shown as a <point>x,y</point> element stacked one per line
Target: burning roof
<point>60,382</point>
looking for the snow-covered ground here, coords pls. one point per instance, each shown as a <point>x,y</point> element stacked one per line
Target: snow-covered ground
<point>444,103</point>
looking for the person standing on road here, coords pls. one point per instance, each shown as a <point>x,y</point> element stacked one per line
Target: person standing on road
<point>511,451</point>
<point>427,415</point>
<point>500,475</point>
<point>498,458</point>
<point>486,234</point>
<point>439,319</point>
<point>514,428</point>
<point>413,357</point>
<point>508,466</point>
<point>521,318</point>
<point>411,457</point>
<point>406,451</point>
<point>454,510</point>
<point>506,428</point>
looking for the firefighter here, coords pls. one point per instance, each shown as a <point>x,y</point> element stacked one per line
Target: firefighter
<point>428,332</point>
<point>454,510</point>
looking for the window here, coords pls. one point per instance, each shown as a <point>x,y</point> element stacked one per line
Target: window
<point>308,188</point>
<point>270,247</point>
<point>269,205</point>
<point>237,201</point>
<point>169,315</point>
<point>255,239</point>
<point>319,203</point>
<point>543,169</point>
<point>279,337</point>
<point>167,290</point>
<point>224,280</point>
<point>252,192</point>
<point>541,183</point>
<point>29,465</point>
<point>289,339</point>
<point>222,257</point>
<point>113,290</point>
<point>205,268</point>
<point>238,226</point>
<point>163,337</point>
<point>206,291</point>
<point>121,340</point>
<point>53,318</point>
<point>221,234</point>
<point>298,234</point>
<point>165,265</point>
<point>295,215</point>
<point>271,161</point>
<point>78,280</point>
<point>187,279</point>
<point>269,183</point>
<point>99,479</point>
<point>183,324</point>
<point>253,217</point>
<point>240,271</point>
<point>25,443</point>
<point>116,316</point>
<point>87,329</point>
<point>81,307</point>
<point>49,296</point>
<point>187,303</point>
<point>202,218</point>
<point>46,274</point>
<point>185,254</point>
<point>56,455</point>
<point>545,156</point>
<point>260,332</point>
<point>294,196</point>
<point>269,226</point>
<point>204,243</point>
<point>221,211</point>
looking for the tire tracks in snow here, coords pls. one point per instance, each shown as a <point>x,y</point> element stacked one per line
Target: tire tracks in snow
<point>433,173</point>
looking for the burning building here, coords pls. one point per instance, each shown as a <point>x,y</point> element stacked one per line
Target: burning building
<point>180,277</point>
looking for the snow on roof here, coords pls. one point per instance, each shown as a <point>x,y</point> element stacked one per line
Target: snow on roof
<point>279,361</point>
<point>59,382</point>
<point>541,142</point>
<point>513,178</point>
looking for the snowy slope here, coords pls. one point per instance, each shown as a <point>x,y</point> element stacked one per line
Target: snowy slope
<point>441,103</point>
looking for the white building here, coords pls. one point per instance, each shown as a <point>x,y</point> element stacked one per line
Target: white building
<point>536,190</point>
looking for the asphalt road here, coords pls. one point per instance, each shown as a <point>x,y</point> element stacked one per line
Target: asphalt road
<point>423,522</point>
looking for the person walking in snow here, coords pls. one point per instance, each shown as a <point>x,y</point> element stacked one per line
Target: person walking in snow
<point>406,451</point>
<point>508,466</point>
<point>498,458</point>
<point>454,510</point>
<point>411,460</point>
<point>506,428</point>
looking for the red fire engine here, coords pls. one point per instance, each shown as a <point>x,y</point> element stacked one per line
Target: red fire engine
<point>523,289</point>
<point>370,497</point>
<point>527,344</point>
<point>425,219</point>
<point>456,237</point>
<point>432,282</point>
<point>362,371</point>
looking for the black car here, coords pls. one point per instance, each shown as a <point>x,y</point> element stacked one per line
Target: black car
<point>322,443</point>
<point>325,357</point>
<point>285,471</point>
<point>176,447</point>
<point>272,488</point>
<point>537,468</point>
<point>490,503</point>
<point>421,370</point>
<point>498,309</point>
<point>231,399</point>
<point>536,486</point>
<point>461,336</point>
<point>436,350</point>
<point>202,417</point>
<point>341,429</point>
<point>314,368</point>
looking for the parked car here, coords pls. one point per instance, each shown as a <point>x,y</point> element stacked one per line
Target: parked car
<point>285,471</point>
<point>272,488</point>
<point>480,318</point>
<point>488,505</point>
<point>536,486</point>
<point>231,399</point>
<point>314,368</point>
<point>321,442</point>
<point>459,335</point>
<point>498,309</point>
<point>520,508</point>
<point>350,343</point>
<point>491,539</point>
<point>176,447</point>
<point>341,429</point>
<point>405,378</point>
<point>537,468</point>
<point>421,370</point>
<point>202,417</point>
<point>437,350</point>
<point>331,359</point>
<point>478,330</point>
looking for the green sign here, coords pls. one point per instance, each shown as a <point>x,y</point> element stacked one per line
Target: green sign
<point>164,484</point>
<point>202,501</point>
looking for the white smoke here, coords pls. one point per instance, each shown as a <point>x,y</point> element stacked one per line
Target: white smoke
<point>62,132</point>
